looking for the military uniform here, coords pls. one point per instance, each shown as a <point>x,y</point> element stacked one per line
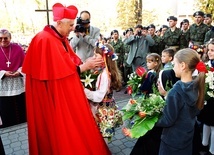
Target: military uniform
<point>119,49</point>
<point>127,67</point>
<point>156,47</point>
<point>185,38</point>
<point>209,16</point>
<point>197,32</point>
<point>209,35</point>
<point>172,39</point>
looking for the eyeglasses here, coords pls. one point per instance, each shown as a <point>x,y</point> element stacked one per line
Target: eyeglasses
<point>3,38</point>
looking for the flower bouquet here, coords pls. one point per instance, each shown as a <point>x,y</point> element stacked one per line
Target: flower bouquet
<point>135,80</point>
<point>88,79</point>
<point>141,114</point>
<point>209,79</point>
<point>209,83</point>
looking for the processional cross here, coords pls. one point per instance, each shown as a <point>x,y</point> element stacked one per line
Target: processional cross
<point>46,10</point>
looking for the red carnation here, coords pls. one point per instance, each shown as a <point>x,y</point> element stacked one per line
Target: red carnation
<point>129,90</point>
<point>201,67</point>
<point>211,69</point>
<point>140,71</point>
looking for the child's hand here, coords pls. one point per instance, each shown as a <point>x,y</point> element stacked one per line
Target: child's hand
<point>161,89</point>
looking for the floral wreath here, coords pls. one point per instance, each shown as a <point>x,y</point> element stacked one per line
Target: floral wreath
<point>106,51</point>
<point>198,48</point>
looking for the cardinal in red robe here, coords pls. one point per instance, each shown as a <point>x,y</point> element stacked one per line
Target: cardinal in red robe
<point>59,118</point>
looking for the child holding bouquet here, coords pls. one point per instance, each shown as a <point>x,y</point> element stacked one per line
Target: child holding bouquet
<point>154,64</point>
<point>152,138</point>
<point>207,113</point>
<point>183,103</point>
<point>101,99</point>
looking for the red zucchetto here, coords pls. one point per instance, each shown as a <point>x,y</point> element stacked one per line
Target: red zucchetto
<point>60,12</point>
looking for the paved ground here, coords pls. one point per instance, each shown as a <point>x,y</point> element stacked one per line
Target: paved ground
<point>15,138</point>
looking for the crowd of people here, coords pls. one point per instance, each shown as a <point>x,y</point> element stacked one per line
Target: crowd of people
<point>42,83</point>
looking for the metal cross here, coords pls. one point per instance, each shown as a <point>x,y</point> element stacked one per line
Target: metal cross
<point>8,63</point>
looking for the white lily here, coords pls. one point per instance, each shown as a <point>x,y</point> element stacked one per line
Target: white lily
<point>87,81</point>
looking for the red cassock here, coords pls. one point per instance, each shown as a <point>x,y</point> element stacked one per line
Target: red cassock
<point>59,118</point>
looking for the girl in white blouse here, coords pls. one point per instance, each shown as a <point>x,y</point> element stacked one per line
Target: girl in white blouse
<point>102,101</point>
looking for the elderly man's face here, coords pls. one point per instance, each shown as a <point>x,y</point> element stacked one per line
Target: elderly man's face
<point>5,38</point>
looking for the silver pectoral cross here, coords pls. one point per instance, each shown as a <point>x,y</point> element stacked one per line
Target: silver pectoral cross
<point>8,63</point>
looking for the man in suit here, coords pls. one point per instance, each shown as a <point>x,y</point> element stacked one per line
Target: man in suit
<point>139,47</point>
<point>84,40</point>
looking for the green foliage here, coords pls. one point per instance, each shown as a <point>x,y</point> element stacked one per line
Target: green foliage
<point>128,13</point>
<point>134,83</point>
<point>207,6</point>
<point>152,106</point>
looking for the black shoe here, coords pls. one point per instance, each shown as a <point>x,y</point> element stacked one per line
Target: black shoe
<point>205,148</point>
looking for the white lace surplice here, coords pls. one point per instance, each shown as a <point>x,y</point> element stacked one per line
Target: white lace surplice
<point>11,86</point>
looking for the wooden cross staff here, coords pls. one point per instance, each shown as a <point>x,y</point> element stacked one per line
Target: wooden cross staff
<point>46,10</point>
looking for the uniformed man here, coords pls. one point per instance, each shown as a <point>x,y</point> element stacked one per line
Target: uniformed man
<point>127,67</point>
<point>155,48</point>
<point>172,36</point>
<point>184,25</point>
<point>209,35</point>
<point>119,49</point>
<point>163,30</point>
<point>198,29</point>
<point>208,20</point>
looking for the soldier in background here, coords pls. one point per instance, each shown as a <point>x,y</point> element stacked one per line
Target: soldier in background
<point>127,68</point>
<point>155,48</point>
<point>184,25</point>
<point>208,20</point>
<point>162,31</point>
<point>198,29</point>
<point>209,35</point>
<point>172,36</point>
<point>119,49</point>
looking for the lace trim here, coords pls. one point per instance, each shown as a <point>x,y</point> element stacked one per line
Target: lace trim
<point>12,86</point>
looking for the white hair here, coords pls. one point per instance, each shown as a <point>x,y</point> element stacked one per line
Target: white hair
<point>64,20</point>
